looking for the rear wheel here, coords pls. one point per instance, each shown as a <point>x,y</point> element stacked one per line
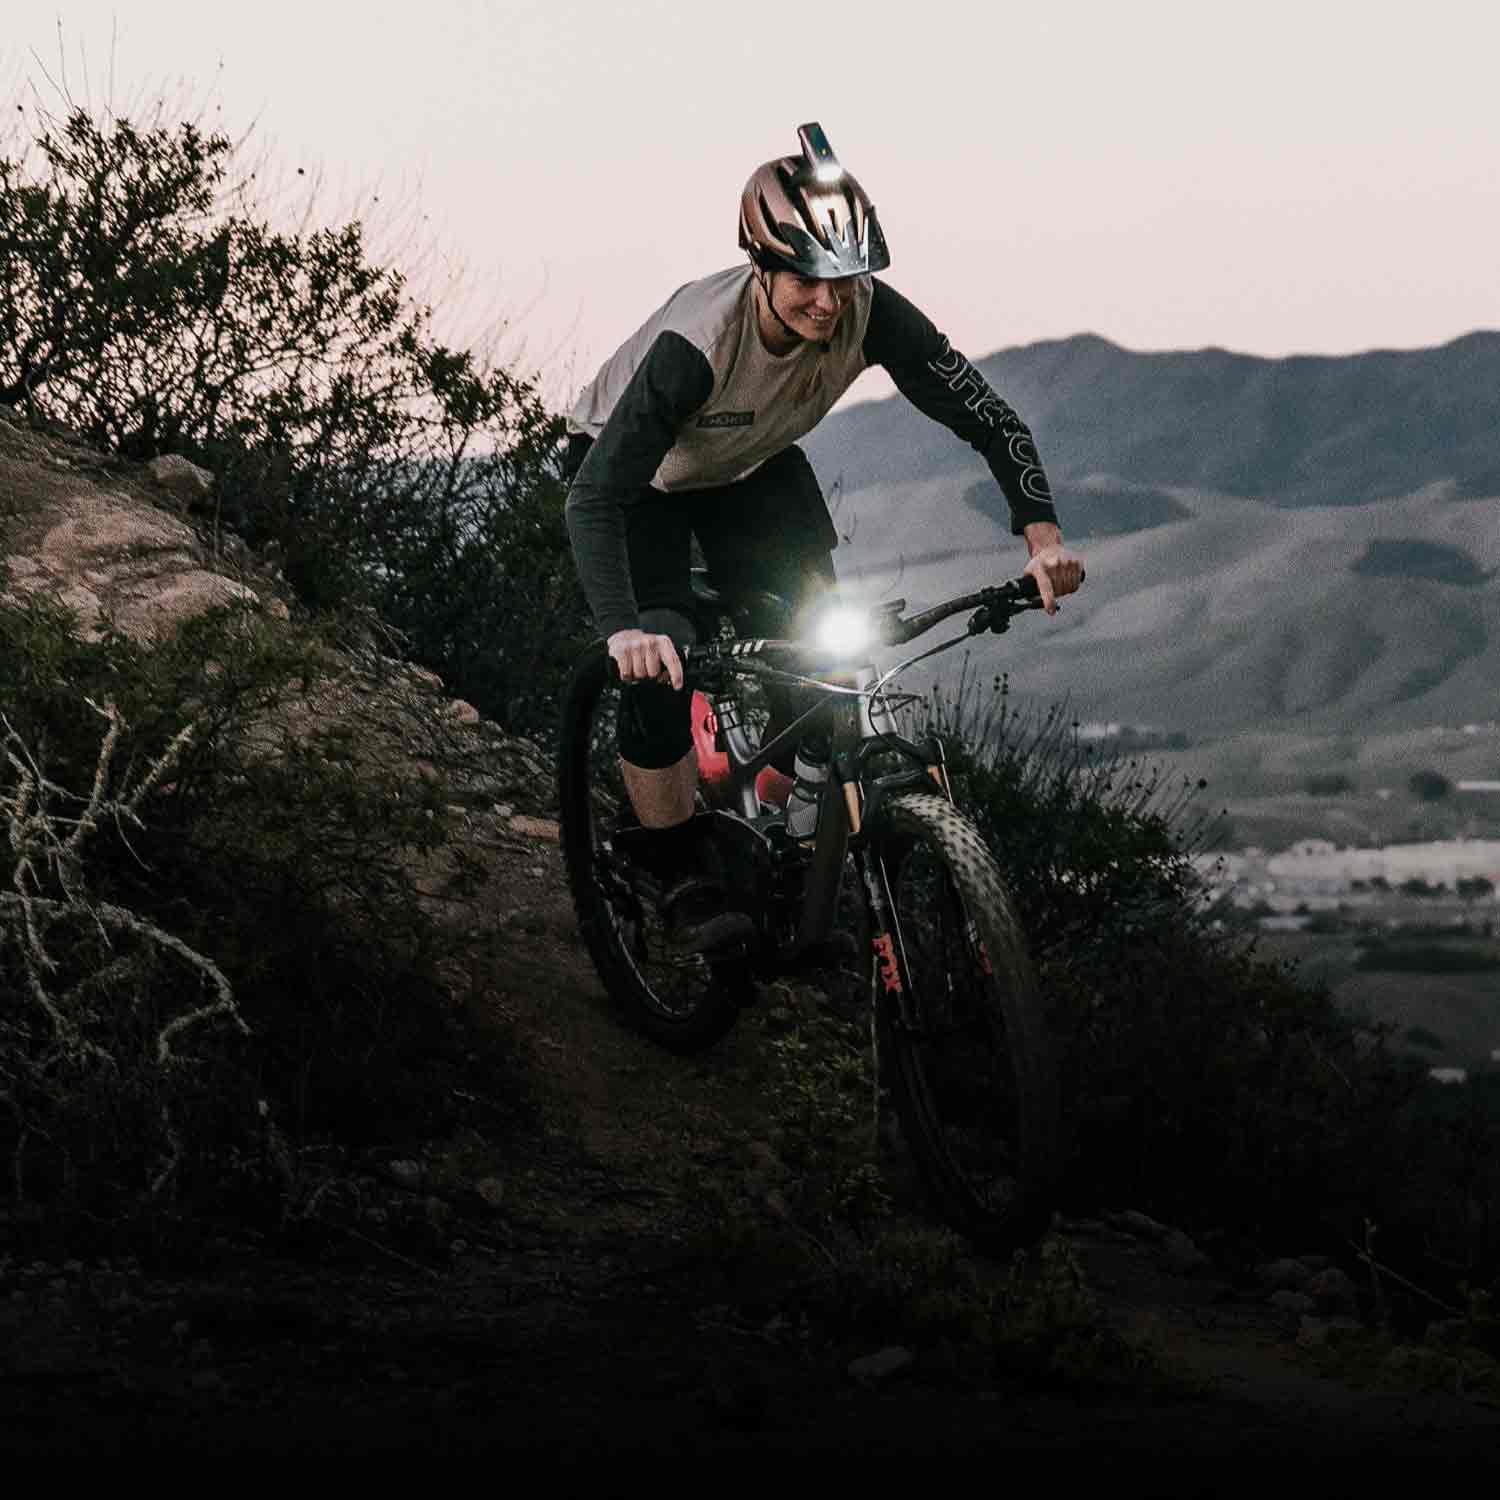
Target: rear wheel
<point>961,1027</point>
<point>685,1003</point>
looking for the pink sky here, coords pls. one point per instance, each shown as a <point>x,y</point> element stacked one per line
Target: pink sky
<point>1309,177</point>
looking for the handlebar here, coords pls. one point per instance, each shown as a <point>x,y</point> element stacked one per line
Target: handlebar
<point>993,607</point>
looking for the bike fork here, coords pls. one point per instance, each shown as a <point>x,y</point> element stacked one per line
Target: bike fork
<point>891,969</point>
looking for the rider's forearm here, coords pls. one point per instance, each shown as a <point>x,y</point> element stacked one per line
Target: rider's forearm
<point>596,528</point>
<point>943,385</point>
<point>1040,535</point>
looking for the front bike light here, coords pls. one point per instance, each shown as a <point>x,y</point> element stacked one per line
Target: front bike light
<point>844,631</point>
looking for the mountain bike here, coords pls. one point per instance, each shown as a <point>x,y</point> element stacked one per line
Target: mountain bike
<point>958,1021</point>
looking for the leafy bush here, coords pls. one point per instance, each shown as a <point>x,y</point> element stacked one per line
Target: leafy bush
<point>211,945</point>
<point>1202,1081</point>
<point>1442,1210</point>
<point>146,305</point>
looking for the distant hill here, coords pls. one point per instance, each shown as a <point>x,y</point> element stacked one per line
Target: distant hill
<point>1309,430</point>
<point>1306,543</point>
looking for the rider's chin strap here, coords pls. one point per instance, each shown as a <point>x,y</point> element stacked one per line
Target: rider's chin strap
<point>764,277</point>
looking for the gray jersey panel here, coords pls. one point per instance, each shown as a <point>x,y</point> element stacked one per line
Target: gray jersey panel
<point>759,402</point>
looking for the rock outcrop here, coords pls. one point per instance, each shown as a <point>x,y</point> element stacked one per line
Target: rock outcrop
<point>116,543</point>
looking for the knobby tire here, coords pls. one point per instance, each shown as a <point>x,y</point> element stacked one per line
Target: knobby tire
<point>685,1005</point>
<point>961,1028</point>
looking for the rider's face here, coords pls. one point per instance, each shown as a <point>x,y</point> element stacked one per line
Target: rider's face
<point>811,308</point>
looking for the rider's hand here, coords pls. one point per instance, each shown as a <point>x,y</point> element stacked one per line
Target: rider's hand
<point>1056,570</point>
<point>645,658</point>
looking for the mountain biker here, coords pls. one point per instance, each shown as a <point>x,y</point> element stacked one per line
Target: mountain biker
<point>689,429</point>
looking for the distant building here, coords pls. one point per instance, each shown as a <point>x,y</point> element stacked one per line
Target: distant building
<point>1315,874</point>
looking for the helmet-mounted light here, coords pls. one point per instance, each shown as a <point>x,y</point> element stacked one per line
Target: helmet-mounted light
<point>818,154</point>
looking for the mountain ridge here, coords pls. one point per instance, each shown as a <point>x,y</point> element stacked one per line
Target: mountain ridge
<point>1294,430</point>
<point>1297,543</point>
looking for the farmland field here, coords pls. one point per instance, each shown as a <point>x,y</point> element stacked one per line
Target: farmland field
<point>1460,1010</point>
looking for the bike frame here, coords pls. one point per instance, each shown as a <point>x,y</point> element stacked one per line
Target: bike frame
<point>854,732</point>
<point>858,727</point>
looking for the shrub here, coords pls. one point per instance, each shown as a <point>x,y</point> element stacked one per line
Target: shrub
<point>1201,1080</point>
<point>207,922</point>
<point>145,304</point>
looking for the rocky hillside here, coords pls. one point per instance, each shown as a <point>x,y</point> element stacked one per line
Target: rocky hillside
<point>1300,543</point>
<point>135,548</point>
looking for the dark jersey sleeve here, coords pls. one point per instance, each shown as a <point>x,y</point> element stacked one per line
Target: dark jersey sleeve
<point>669,385</point>
<point>942,384</point>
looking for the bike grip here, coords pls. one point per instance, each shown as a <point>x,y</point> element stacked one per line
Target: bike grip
<point>612,667</point>
<point>1028,588</point>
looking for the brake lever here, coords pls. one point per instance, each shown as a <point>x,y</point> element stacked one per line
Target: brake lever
<point>1025,593</point>
<point>1010,599</point>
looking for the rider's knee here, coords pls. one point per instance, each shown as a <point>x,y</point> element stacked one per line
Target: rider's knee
<point>655,726</point>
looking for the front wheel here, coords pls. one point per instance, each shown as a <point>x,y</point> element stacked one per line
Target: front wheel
<point>961,1025</point>
<point>685,1003</point>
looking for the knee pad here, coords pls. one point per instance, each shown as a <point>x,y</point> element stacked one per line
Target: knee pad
<point>655,724</point>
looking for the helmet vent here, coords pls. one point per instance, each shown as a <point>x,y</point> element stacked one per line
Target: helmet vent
<point>807,214</point>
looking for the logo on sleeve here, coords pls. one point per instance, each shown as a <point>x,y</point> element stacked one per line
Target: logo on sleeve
<point>727,419</point>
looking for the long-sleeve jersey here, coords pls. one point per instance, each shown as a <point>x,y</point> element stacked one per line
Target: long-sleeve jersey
<point>694,400</point>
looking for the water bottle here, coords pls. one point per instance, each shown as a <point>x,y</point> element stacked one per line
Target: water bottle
<point>810,772</point>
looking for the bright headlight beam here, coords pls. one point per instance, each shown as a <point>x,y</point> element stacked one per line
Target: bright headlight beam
<point>845,631</point>
<point>828,171</point>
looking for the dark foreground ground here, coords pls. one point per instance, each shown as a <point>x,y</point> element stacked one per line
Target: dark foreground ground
<point>559,1284</point>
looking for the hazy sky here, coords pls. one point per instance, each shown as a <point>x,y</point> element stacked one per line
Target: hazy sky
<point>1290,176</point>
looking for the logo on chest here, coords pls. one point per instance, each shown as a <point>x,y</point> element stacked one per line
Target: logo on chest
<point>716,419</point>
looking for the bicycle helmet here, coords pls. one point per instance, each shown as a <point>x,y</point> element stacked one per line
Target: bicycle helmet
<point>807,214</point>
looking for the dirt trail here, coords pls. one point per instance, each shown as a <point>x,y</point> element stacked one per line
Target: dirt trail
<point>562,1297</point>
